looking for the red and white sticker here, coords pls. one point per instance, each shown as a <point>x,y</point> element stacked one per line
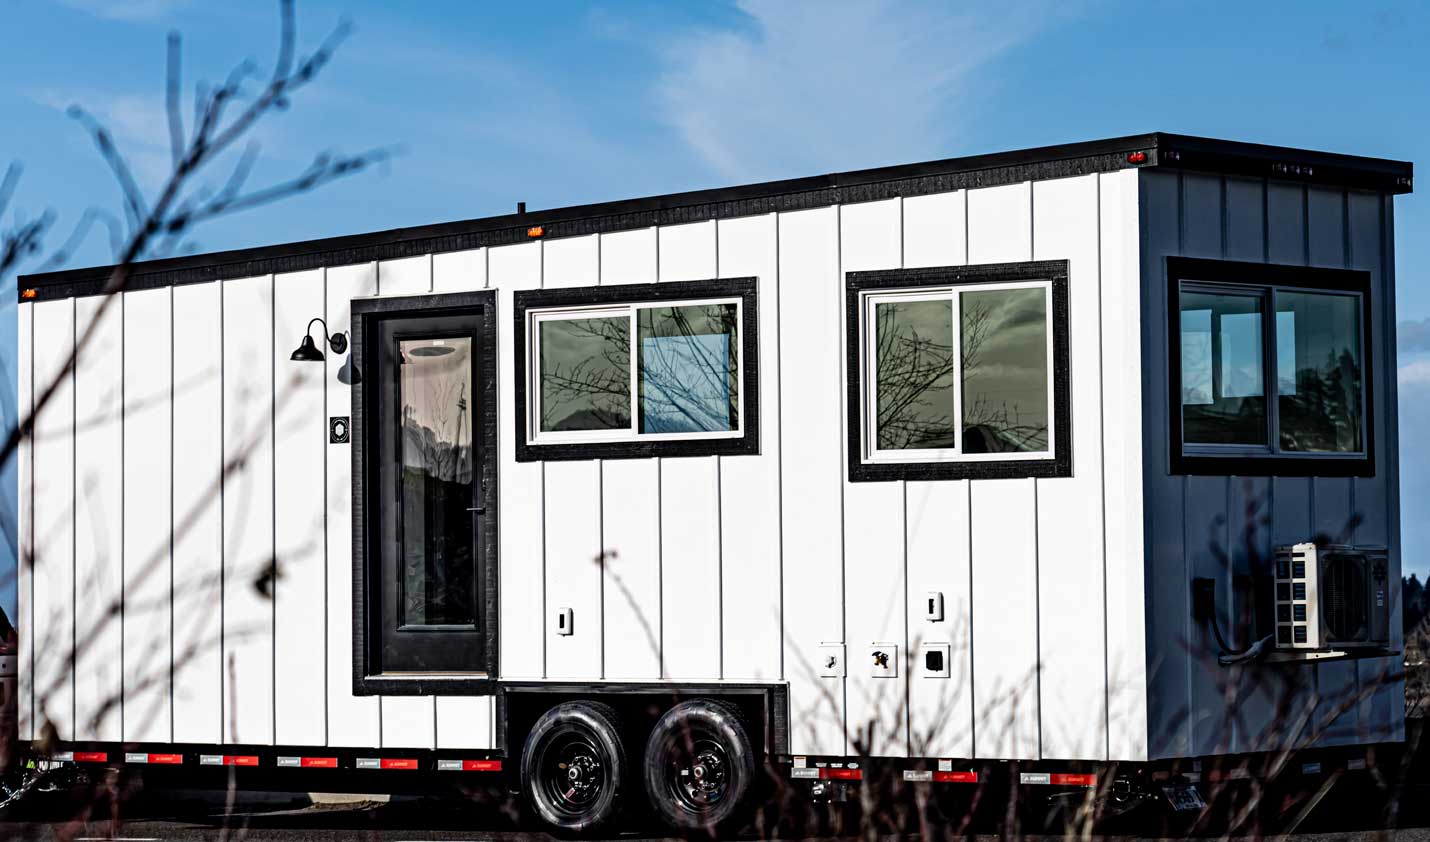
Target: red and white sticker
<point>469,765</point>
<point>80,757</point>
<point>308,762</point>
<point>386,763</point>
<point>228,760</point>
<point>160,759</point>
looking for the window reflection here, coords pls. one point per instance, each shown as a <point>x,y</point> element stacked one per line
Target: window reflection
<point>1318,372</point>
<point>1004,340</point>
<point>585,374</point>
<point>437,572</point>
<point>689,380</point>
<point>1223,391</point>
<point>914,374</point>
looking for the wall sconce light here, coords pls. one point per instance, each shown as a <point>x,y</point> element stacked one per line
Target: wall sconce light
<point>308,352</point>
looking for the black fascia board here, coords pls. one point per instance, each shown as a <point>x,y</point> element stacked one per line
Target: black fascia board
<point>1160,150</point>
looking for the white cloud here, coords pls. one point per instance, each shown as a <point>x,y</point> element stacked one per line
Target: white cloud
<point>811,87</point>
<point>1413,335</point>
<point>1415,373</point>
<point>127,10</point>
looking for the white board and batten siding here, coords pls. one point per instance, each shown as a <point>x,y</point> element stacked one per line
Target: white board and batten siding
<point>681,569</point>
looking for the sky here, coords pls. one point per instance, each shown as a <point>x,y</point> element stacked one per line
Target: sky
<point>564,103</point>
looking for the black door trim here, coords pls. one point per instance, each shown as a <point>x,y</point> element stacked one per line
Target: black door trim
<point>368,678</point>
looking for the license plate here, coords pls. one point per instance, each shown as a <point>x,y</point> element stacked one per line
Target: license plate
<point>1184,797</point>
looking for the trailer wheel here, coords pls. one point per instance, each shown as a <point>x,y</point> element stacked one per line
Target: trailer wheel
<point>699,764</point>
<point>573,766</point>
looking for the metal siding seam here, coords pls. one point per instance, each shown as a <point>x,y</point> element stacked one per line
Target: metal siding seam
<point>843,513</point>
<point>1037,544</point>
<point>719,508</point>
<point>327,648</point>
<point>171,515</point>
<point>273,506</point>
<point>122,578</point>
<point>600,519</point>
<point>780,460</point>
<point>73,374</point>
<point>907,705</point>
<point>1102,476</point>
<point>968,501</point>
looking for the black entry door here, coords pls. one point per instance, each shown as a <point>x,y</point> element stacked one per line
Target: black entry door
<point>429,494</point>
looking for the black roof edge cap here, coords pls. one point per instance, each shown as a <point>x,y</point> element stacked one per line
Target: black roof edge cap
<point>1160,150</point>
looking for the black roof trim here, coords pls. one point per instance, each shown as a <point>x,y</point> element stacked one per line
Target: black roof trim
<point>1162,150</point>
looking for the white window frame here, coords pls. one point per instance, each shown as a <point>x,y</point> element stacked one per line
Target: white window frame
<point>535,316</point>
<point>869,299</point>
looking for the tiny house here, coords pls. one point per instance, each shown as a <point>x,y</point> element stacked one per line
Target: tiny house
<point>1068,455</point>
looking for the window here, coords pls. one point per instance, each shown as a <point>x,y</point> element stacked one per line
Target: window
<point>631,371</point>
<point>1269,366</point>
<point>959,372</point>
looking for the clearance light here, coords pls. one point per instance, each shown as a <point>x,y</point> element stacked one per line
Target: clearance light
<point>29,293</point>
<point>1137,158</point>
<point>535,231</point>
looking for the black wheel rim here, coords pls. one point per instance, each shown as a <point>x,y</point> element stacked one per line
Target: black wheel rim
<point>700,774</point>
<point>573,774</point>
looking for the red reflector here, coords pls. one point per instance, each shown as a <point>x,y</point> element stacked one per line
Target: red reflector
<point>170,759</point>
<point>481,765</point>
<point>90,757</point>
<point>841,774</point>
<point>955,777</point>
<point>1072,780</point>
<point>397,763</point>
<point>318,762</point>
<point>240,760</point>
<point>1137,158</point>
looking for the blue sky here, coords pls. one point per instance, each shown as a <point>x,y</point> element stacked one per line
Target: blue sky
<point>560,103</point>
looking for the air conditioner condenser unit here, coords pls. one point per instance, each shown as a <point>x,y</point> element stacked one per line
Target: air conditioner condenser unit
<point>1332,597</point>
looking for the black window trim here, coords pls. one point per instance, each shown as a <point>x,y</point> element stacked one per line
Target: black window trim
<point>673,292</point>
<point>894,280</point>
<point>1265,279</point>
<point>366,680</point>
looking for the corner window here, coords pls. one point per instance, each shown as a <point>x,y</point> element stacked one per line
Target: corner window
<point>633,371</point>
<point>959,372</point>
<point>1269,370</point>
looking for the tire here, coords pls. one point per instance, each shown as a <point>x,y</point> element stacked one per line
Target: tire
<point>573,767</point>
<point>699,765</point>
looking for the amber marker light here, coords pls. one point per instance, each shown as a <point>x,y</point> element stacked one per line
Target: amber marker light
<point>29,293</point>
<point>535,231</point>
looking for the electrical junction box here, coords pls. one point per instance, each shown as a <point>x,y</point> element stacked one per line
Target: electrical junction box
<point>884,660</point>
<point>933,607</point>
<point>831,660</point>
<point>565,622</point>
<point>933,660</point>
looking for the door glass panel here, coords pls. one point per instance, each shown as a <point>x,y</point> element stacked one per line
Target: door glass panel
<point>436,572</point>
<point>913,362</point>
<point>585,374</point>
<point>1318,372</point>
<point>1223,393</point>
<point>689,369</point>
<point>1004,339</point>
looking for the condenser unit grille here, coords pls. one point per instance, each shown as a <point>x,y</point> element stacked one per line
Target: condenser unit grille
<point>1344,599</point>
